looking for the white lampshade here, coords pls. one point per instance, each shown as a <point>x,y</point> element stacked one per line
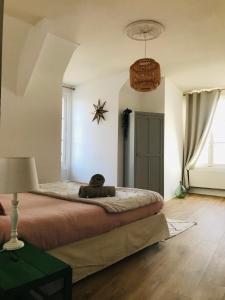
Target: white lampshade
<point>17,174</point>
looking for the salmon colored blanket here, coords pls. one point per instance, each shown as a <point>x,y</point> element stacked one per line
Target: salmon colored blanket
<point>48,222</point>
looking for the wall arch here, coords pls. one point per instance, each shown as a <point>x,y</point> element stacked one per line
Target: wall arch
<point>31,115</point>
<point>136,101</point>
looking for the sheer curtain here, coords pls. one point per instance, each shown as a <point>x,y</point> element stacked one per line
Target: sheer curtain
<point>200,109</point>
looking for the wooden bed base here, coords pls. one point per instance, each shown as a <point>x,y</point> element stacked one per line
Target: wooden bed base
<point>94,254</point>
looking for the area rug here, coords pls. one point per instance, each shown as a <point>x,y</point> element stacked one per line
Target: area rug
<point>178,226</point>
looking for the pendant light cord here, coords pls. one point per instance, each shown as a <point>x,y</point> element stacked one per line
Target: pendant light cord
<point>145,39</point>
<point>145,48</point>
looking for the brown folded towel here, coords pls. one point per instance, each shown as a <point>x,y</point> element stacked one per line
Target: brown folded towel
<point>97,180</point>
<point>2,211</point>
<point>97,192</point>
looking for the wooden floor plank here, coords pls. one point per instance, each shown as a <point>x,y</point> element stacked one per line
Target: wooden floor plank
<point>215,272</point>
<point>208,291</point>
<point>190,266</point>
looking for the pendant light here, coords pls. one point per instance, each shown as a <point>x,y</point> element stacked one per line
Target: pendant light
<point>145,73</point>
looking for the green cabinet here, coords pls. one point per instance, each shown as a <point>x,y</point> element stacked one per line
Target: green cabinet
<point>30,273</point>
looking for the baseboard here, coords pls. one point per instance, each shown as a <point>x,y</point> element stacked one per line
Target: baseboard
<point>205,191</point>
<point>169,198</point>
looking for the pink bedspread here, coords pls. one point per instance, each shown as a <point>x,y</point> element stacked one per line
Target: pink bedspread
<point>47,222</point>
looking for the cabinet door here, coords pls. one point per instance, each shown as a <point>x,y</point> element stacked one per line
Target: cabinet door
<point>149,136</point>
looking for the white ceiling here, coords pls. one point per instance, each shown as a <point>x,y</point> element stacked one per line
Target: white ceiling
<point>191,51</point>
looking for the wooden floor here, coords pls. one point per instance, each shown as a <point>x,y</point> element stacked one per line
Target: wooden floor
<point>188,266</point>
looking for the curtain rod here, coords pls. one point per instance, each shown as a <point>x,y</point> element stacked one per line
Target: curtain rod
<point>68,87</point>
<point>203,90</point>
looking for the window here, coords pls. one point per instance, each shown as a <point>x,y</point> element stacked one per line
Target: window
<point>213,153</point>
<point>66,133</point>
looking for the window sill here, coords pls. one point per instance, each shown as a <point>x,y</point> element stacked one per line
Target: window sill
<point>215,168</point>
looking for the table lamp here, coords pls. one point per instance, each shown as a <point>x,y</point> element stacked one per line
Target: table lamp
<point>17,174</point>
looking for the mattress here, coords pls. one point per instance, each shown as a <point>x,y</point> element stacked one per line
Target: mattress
<point>49,223</point>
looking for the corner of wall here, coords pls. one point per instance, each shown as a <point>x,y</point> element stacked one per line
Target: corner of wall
<point>173,144</point>
<point>38,40</point>
<point>31,121</point>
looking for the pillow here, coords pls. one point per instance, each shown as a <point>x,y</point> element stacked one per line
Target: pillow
<point>2,211</point>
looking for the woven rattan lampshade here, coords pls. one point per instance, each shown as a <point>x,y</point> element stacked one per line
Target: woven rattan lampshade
<point>145,75</point>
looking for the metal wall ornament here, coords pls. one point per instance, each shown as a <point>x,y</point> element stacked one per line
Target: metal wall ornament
<point>145,74</point>
<point>99,111</point>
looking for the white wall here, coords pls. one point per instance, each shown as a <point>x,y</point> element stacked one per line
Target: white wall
<point>154,101</point>
<point>31,122</point>
<point>95,147</point>
<point>99,148</point>
<point>129,98</point>
<point>173,138</point>
<point>15,34</point>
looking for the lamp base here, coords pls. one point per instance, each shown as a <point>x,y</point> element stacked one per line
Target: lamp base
<point>13,245</point>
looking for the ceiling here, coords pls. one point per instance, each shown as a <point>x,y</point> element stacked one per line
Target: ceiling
<point>191,51</point>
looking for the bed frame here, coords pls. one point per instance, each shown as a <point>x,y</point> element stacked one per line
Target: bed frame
<point>94,254</point>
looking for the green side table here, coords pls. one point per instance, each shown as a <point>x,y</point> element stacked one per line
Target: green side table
<point>30,273</point>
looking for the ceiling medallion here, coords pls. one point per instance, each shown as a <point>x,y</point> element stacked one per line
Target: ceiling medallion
<point>144,30</point>
<point>145,73</point>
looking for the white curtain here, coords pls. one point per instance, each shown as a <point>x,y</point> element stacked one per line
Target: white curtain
<point>200,109</point>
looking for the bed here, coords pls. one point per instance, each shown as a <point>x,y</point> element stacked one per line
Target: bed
<point>97,239</point>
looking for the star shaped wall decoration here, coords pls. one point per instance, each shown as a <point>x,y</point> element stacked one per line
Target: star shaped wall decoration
<point>99,111</point>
